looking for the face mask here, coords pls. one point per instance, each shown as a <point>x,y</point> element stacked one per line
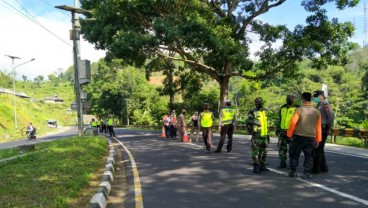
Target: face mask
<point>316,100</point>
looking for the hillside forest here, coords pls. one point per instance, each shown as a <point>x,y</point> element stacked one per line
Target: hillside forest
<point>123,90</point>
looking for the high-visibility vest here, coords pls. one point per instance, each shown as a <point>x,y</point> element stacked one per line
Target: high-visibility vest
<point>286,114</point>
<point>227,115</point>
<point>93,123</point>
<point>262,118</point>
<point>109,122</point>
<point>206,119</point>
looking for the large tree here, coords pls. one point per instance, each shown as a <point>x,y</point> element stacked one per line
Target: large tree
<point>214,36</point>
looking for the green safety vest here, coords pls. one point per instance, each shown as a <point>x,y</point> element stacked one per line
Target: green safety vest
<point>262,117</point>
<point>227,115</point>
<point>93,123</point>
<point>286,114</point>
<point>109,122</point>
<point>206,119</point>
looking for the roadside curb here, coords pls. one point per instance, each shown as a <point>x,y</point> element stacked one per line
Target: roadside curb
<point>99,199</point>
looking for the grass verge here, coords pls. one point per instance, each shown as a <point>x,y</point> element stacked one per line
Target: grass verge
<point>58,177</point>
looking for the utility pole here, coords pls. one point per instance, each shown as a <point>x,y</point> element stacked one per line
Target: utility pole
<point>75,37</point>
<point>14,97</point>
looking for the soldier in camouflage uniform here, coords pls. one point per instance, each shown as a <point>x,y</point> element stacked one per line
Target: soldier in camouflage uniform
<point>282,125</point>
<point>258,128</point>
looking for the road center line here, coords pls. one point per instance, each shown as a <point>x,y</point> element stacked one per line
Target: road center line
<point>137,182</point>
<point>354,198</point>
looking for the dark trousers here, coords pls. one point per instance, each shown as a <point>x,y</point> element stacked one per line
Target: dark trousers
<point>172,131</point>
<point>207,137</point>
<point>319,162</point>
<point>111,130</point>
<point>104,128</point>
<point>299,144</point>
<point>167,131</point>
<point>226,130</point>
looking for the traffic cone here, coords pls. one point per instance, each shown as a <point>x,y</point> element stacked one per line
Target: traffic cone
<point>185,138</point>
<point>163,134</point>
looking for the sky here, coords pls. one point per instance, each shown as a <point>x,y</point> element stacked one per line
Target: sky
<point>48,42</point>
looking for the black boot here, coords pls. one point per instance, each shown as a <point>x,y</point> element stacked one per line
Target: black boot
<point>282,164</point>
<point>263,168</point>
<point>256,169</point>
<point>307,173</point>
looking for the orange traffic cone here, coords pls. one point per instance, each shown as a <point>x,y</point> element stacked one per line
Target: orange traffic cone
<point>185,138</point>
<point>163,134</point>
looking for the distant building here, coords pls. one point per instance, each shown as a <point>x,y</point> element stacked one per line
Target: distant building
<point>19,94</point>
<point>53,99</point>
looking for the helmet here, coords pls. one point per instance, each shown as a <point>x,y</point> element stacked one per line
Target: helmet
<point>290,97</point>
<point>258,101</point>
<point>228,101</point>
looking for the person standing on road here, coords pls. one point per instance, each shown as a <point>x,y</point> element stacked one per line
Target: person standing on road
<point>227,121</point>
<point>98,122</point>
<point>195,126</point>
<point>319,163</point>
<point>166,122</point>
<point>182,126</point>
<point>305,134</point>
<point>206,119</point>
<point>93,123</point>
<point>172,124</point>
<point>282,125</point>
<point>257,125</point>
<point>110,127</point>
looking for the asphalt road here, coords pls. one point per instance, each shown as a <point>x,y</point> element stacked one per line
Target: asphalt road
<point>65,132</point>
<point>165,173</point>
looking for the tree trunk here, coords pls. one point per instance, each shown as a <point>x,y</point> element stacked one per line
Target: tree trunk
<point>224,89</point>
<point>171,88</point>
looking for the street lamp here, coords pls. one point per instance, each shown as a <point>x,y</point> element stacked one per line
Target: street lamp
<point>13,73</point>
<point>76,55</point>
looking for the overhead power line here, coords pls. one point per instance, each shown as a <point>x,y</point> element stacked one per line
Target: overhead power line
<point>34,20</point>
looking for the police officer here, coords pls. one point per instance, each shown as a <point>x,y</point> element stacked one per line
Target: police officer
<point>286,112</point>
<point>257,126</point>
<point>227,126</point>
<point>206,119</point>
<point>93,123</point>
<point>319,163</point>
<point>110,127</point>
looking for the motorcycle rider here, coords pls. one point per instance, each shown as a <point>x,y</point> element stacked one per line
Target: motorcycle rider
<point>31,130</point>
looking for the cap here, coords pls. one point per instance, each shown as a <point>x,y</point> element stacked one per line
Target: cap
<point>318,93</point>
<point>307,96</point>
<point>227,101</point>
<point>258,100</point>
<point>290,96</point>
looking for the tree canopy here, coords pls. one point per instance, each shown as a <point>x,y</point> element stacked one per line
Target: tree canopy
<point>214,36</point>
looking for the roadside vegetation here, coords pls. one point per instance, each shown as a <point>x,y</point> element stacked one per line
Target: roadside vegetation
<point>62,173</point>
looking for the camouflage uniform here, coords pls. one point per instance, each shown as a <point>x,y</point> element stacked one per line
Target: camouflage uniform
<point>285,114</point>
<point>258,128</point>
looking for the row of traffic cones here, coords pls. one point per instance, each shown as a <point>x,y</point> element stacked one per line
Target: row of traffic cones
<point>185,139</point>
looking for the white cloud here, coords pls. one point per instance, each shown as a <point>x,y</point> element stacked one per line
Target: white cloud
<point>25,39</point>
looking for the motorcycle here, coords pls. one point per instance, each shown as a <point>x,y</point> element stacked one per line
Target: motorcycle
<point>31,135</point>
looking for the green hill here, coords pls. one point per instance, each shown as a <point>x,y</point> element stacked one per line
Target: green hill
<point>35,109</point>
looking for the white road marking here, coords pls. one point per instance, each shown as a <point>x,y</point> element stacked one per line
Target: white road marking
<point>354,198</point>
<point>352,155</point>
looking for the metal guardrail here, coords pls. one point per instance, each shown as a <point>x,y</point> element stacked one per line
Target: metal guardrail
<point>349,132</point>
